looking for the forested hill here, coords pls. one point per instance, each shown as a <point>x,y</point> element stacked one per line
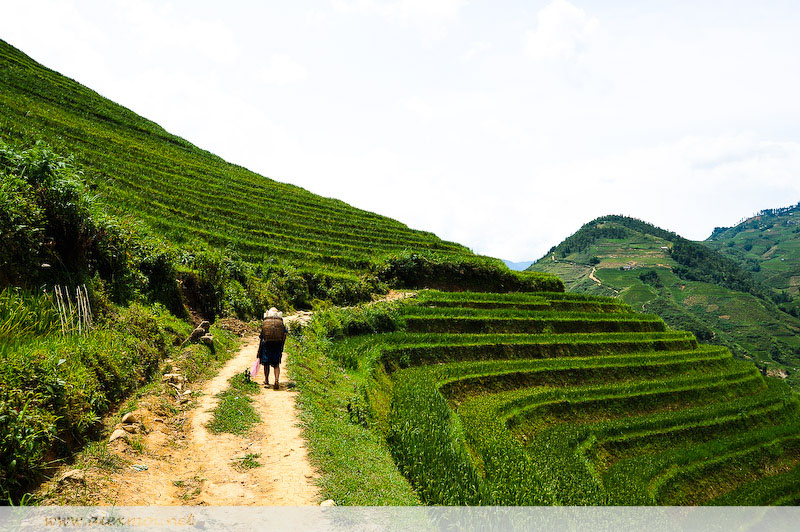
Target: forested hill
<point>695,261</point>
<point>243,226</point>
<point>768,246</point>
<point>690,285</point>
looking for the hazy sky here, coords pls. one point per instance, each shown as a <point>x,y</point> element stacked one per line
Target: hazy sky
<point>500,125</point>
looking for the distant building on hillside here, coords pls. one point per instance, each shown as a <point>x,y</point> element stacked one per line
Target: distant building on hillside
<point>664,248</point>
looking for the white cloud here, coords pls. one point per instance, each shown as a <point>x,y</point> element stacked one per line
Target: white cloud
<point>476,49</point>
<point>430,9</point>
<point>316,17</point>
<point>160,29</point>
<point>506,147</point>
<point>688,186</point>
<point>403,9</point>
<point>283,70</point>
<point>563,32</point>
<point>429,16</point>
<point>56,33</point>
<point>510,133</point>
<point>418,107</point>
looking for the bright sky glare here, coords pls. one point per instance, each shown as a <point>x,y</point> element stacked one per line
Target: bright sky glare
<point>504,126</point>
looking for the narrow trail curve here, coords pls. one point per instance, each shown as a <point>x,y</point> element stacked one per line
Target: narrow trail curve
<point>192,466</point>
<point>199,469</point>
<point>599,283</point>
<point>593,278</point>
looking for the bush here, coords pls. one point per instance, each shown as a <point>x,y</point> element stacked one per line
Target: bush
<point>460,273</point>
<point>21,225</point>
<point>372,319</point>
<point>651,277</point>
<point>24,314</point>
<point>52,231</point>
<point>54,389</point>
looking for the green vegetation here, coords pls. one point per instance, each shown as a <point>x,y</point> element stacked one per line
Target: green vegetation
<point>687,284</point>
<point>54,389</point>
<point>411,270</point>
<point>234,413</point>
<point>692,260</point>
<point>57,384</point>
<point>335,405</point>
<point>157,230</point>
<point>638,415</point>
<point>768,246</point>
<point>238,241</point>
<point>248,461</point>
<point>505,390</point>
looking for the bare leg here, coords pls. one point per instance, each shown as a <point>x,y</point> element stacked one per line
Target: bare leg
<point>277,374</point>
<point>266,374</point>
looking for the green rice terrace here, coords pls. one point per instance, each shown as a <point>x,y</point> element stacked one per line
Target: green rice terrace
<point>188,196</point>
<point>768,246</point>
<point>158,235</point>
<point>487,387</point>
<point>559,398</point>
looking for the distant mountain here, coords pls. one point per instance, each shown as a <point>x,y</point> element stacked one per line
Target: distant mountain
<point>690,285</point>
<point>518,266</point>
<point>768,246</point>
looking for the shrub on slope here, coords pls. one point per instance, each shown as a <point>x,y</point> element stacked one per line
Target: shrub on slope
<point>54,389</point>
<point>414,270</point>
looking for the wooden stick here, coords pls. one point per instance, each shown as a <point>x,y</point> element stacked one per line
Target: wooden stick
<point>61,310</point>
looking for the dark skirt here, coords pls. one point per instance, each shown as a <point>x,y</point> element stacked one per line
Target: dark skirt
<point>270,353</point>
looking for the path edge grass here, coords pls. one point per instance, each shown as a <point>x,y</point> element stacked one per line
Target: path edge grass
<point>354,462</point>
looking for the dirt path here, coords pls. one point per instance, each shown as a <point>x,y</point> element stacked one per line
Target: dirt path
<point>175,460</point>
<point>599,283</point>
<point>593,278</point>
<point>197,467</point>
<point>286,476</point>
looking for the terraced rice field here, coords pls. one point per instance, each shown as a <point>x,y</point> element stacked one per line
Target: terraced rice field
<point>553,398</point>
<point>189,195</point>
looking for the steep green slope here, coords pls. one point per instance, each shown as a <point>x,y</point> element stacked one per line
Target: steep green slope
<point>689,285</point>
<point>267,237</point>
<point>151,228</point>
<point>768,245</point>
<point>188,194</point>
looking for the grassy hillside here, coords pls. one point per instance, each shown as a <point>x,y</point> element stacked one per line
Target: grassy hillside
<point>156,231</point>
<point>768,245</point>
<point>194,199</point>
<point>690,286</point>
<point>186,193</point>
<point>540,398</point>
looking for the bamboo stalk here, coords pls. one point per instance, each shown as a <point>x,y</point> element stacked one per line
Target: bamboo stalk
<point>88,307</point>
<point>73,315</point>
<point>78,308</point>
<point>61,309</point>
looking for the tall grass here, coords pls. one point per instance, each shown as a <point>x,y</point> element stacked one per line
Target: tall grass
<point>54,389</point>
<point>23,314</point>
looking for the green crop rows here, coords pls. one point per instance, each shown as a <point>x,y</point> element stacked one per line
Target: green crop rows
<point>187,194</point>
<point>553,398</point>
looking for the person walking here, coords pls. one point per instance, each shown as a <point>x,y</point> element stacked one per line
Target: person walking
<point>270,348</point>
